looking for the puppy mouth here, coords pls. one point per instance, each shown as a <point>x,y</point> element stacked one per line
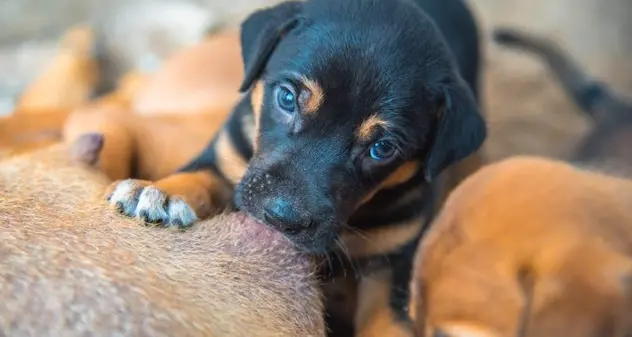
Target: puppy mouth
<point>318,238</point>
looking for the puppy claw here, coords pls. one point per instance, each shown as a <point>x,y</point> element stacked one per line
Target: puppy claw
<point>125,197</point>
<point>138,199</point>
<point>180,213</point>
<point>151,206</point>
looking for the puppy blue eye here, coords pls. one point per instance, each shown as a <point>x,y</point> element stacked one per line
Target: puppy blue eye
<point>286,99</point>
<point>382,150</point>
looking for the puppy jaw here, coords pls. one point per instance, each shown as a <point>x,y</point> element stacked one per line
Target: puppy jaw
<point>381,240</point>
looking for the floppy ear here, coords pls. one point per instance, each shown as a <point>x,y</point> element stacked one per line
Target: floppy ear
<point>260,34</point>
<point>461,129</point>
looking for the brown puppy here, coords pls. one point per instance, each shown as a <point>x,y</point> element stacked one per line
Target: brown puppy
<point>608,142</point>
<point>528,247</point>
<point>187,95</point>
<point>68,80</point>
<point>66,83</point>
<point>204,76</point>
<point>69,267</point>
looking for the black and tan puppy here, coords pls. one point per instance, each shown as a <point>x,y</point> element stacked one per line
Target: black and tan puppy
<point>352,110</point>
<point>609,142</point>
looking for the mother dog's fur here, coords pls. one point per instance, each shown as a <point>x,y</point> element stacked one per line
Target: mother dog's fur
<point>529,247</point>
<point>69,267</point>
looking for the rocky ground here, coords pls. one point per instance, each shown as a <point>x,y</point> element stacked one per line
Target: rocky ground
<point>527,111</point>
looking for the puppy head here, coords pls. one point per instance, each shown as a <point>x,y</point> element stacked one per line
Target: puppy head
<point>350,97</point>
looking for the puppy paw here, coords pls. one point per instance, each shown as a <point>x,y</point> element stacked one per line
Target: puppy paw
<point>141,200</point>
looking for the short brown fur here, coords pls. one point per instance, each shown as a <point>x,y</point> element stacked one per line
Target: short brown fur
<point>567,229</point>
<point>71,267</point>
<point>205,76</point>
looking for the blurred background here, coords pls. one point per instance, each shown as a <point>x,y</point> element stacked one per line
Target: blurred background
<point>526,109</point>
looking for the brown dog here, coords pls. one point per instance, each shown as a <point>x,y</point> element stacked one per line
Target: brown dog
<point>66,83</point>
<point>198,79</point>
<point>192,94</point>
<point>69,267</point>
<point>528,247</point>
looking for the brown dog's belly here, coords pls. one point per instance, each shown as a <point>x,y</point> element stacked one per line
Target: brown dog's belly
<point>71,267</point>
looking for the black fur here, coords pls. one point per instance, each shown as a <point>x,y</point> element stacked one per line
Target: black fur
<point>309,172</point>
<point>369,56</point>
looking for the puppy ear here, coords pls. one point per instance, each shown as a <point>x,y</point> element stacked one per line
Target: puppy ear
<point>260,34</point>
<point>461,129</point>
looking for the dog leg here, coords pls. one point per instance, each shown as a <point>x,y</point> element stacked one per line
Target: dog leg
<point>374,316</point>
<point>176,201</point>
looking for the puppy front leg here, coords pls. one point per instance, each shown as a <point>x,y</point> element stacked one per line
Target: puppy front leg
<point>178,200</point>
<point>375,316</point>
<point>199,189</point>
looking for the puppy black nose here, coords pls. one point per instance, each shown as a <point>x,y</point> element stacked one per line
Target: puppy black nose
<point>279,213</point>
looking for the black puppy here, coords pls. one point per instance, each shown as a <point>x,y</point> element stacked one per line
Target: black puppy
<point>609,142</point>
<point>353,109</point>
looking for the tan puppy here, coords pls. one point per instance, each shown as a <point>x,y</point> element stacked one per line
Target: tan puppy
<point>204,76</point>
<point>528,247</point>
<point>66,83</point>
<point>68,80</point>
<point>191,94</point>
<point>69,267</point>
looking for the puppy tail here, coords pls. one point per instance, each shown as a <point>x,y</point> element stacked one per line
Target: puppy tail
<point>585,91</point>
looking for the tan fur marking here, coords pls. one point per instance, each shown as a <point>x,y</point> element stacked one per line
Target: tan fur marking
<point>401,175</point>
<point>232,165</point>
<point>249,128</point>
<point>380,240</point>
<point>458,329</point>
<point>374,317</point>
<point>256,100</point>
<point>315,98</point>
<point>366,129</point>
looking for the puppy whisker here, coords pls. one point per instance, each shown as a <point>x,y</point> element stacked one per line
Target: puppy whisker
<point>345,252</point>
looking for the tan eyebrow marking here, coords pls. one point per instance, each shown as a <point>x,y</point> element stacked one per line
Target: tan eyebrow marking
<point>364,132</point>
<point>315,97</point>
